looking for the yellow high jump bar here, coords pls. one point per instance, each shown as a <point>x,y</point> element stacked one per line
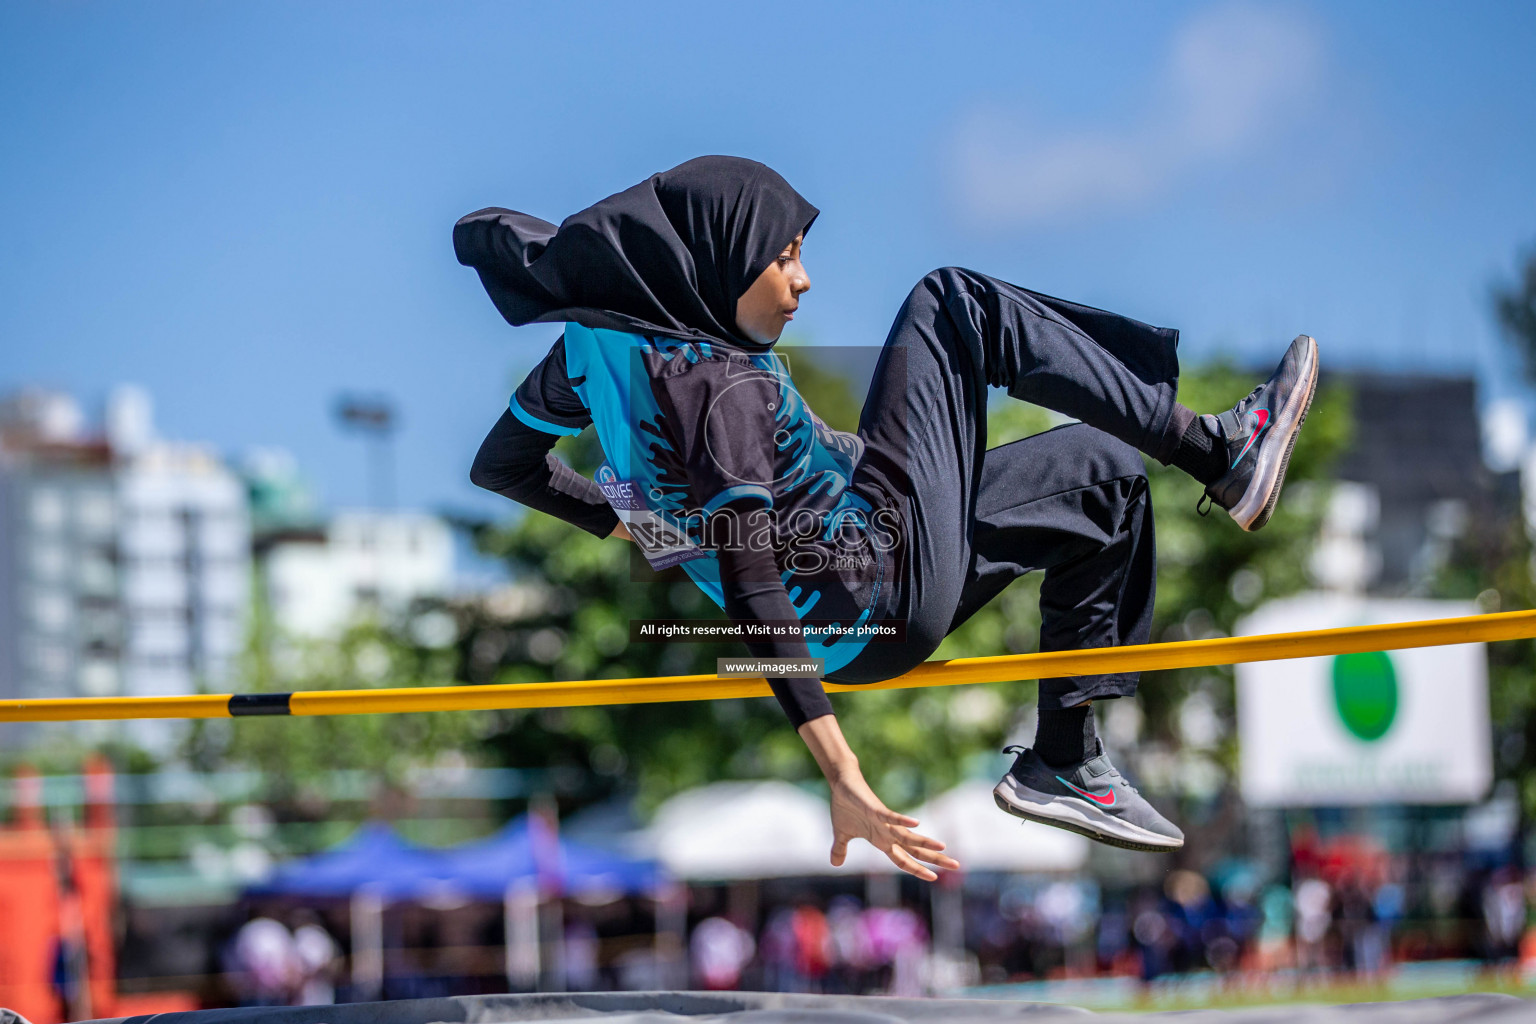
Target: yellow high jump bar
<point>660,689</point>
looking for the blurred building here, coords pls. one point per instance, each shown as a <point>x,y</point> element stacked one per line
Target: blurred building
<point>282,502</point>
<point>362,563</point>
<point>1412,481</point>
<point>319,576</point>
<point>60,600</point>
<point>124,558</point>
<point>184,549</point>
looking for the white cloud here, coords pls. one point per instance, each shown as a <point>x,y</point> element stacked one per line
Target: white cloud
<point>1235,78</point>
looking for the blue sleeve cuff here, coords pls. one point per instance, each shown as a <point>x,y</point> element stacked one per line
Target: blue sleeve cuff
<point>539,424</point>
<point>739,491</point>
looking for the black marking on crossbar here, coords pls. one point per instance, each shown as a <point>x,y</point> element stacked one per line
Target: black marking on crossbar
<point>242,704</point>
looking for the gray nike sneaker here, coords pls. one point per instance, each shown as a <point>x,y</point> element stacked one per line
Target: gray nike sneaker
<point>1259,433</point>
<point>1090,797</point>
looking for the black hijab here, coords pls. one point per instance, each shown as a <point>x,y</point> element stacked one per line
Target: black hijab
<point>669,256</point>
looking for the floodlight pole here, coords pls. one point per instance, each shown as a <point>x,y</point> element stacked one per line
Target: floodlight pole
<point>374,417</point>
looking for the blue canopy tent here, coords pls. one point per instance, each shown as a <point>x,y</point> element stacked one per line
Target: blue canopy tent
<point>374,857</point>
<point>377,858</point>
<point>524,864</point>
<point>525,852</point>
<point>521,866</point>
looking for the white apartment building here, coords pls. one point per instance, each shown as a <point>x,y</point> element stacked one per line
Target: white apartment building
<point>124,560</point>
<point>184,554</point>
<point>365,562</point>
<point>60,613</point>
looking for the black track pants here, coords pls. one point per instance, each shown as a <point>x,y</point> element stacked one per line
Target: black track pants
<point>1072,502</point>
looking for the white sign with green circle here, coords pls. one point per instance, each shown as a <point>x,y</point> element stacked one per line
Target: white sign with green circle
<point>1406,726</point>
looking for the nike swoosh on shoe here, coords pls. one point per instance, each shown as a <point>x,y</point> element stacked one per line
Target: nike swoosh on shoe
<point>1105,800</point>
<point>1262,415</point>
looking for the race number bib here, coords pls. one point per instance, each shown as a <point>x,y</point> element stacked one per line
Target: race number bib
<point>662,544</point>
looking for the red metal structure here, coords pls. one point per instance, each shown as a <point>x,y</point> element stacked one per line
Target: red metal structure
<point>57,893</point>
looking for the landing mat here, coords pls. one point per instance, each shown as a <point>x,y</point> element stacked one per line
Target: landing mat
<point>774,1008</point>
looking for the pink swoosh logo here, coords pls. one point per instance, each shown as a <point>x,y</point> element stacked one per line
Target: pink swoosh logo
<point>1106,799</point>
<point>1262,415</point>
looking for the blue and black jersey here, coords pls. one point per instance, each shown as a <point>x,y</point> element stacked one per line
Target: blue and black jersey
<point>689,428</point>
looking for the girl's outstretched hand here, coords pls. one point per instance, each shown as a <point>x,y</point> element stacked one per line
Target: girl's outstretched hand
<point>858,814</point>
<point>621,532</point>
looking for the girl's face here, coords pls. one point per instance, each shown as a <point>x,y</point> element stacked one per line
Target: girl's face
<point>770,303</point>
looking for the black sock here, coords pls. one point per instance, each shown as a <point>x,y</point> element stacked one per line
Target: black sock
<point>1201,453</point>
<point>1066,737</point>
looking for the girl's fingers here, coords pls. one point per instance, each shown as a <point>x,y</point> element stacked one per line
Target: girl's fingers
<point>926,842</point>
<point>839,852</point>
<point>900,858</point>
<point>935,858</point>
<point>901,819</point>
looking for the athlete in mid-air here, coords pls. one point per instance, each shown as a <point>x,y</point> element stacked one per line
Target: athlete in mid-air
<point>673,293</point>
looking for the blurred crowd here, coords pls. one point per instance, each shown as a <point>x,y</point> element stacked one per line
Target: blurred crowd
<point>848,948</point>
<point>1346,908</point>
<point>1350,910</point>
<point>1337,921</point>
<point>1351,926</point>
<point>273,965</point>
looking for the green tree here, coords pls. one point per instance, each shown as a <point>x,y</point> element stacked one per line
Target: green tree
<point>1514,304</point>
<point>912,743</point>
<point>1210,572</point>
<point>569,618</point>
<point>293,753</point>
<point>1492,562</point>
<point>579,628</point>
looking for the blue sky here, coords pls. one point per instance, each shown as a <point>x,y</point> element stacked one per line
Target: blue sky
<point>246,208</point>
